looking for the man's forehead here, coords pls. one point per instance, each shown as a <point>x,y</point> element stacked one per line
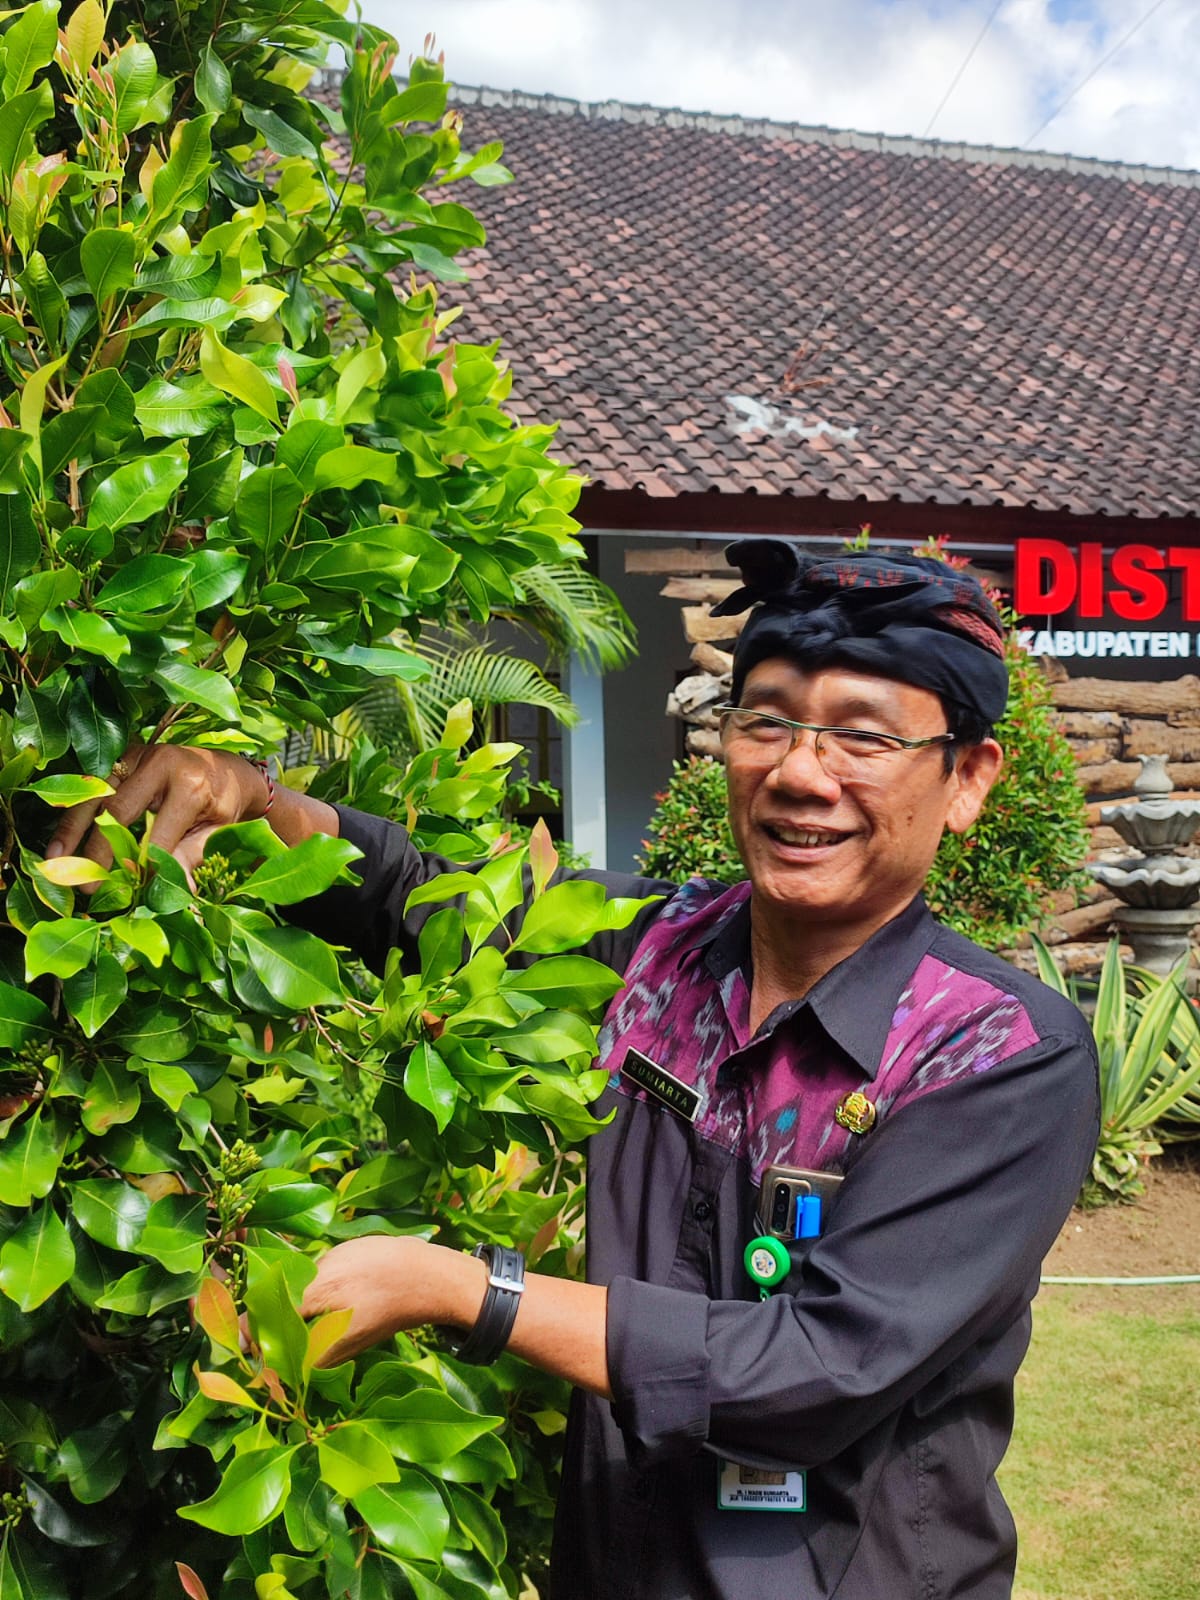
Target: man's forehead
<point>778,675</point>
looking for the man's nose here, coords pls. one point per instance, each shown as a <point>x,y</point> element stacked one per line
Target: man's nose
<point>801,769</point>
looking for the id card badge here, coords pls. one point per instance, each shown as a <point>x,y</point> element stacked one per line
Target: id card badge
<point>758,1489</point>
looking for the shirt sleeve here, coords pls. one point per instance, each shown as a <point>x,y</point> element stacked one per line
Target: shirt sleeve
<point>370,920</point>
<point>934,1243</point>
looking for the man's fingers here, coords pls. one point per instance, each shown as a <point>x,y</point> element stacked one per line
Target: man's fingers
<point>72,826</point>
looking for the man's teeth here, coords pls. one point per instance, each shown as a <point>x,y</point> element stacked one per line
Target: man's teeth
<point>803,836</point>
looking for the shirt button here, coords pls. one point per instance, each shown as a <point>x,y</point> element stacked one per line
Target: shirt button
<point>702,1210</point>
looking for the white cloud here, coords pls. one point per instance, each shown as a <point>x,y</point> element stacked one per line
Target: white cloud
<point>874,65</point>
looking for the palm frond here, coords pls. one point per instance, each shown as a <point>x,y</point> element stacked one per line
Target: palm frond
<point>572,610</point>
<point>411,715</point>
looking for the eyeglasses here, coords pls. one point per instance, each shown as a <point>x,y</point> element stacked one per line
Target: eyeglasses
<point>843,752</point>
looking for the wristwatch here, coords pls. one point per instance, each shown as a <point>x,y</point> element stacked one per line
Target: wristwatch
<point>506,1284</point>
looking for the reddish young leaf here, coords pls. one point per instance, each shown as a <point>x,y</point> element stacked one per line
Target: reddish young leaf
<point>192,1586</point>
<point>218,1386</point>
<point>543,857</point>
<point>217,1315</point>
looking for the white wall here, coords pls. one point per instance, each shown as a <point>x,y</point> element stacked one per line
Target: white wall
<point>641,741</point>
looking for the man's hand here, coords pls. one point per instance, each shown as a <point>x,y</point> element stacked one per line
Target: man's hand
<point>191,792</point>
<point>390,1284</point>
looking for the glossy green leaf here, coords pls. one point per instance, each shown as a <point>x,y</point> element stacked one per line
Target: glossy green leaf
<point>134,73</point>
<point>277,1326</point>
<point>107,258</point>
<point>429,1082</point>
<point>386,662</point>
<point>38,722</point>
<point>66,437</point>
<point>179,410</point>
<point>303,446</point>
<point>567,982</point>
<point>20,116</point>
<point>307,869</point>
<point>23,1017</point>
<point>138,490</point>
<point>98,731</point>
<point>407,1516</point>
<point>29,1158</point>
<point>547,1037</point>
<point>268,504</point>
<point>281,137</point>
<point>213,85</point>
<point>294,1207</point>
<point>67,789</point>
<point>566,915</point>
<point>186,685</point>
<point>232,374</point>
<point>143,934</point>
<point>37,1259</point>
<point>86,631</point>
<point>216,575</point>
<point>182,183</point>
<point>251,1492</point>
<point>297,968</point>
<point>110,1211</point>
<point>428,1427</point>
<point>145,1290</point>
<point>29,46</point>
<point>352,1459</point>
<point>20,546</point>
<point>113,1096</point>
<point>352,464</point>
<point>174,1232</point>
<point>95,1459</point>
<point>62,947</point>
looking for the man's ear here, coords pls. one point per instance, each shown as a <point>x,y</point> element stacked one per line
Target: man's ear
<point>975,771</point>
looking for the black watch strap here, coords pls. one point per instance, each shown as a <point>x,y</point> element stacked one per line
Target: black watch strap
<point>494,1324</point>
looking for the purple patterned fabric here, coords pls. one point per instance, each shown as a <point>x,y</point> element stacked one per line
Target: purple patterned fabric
<point>773,1099</point>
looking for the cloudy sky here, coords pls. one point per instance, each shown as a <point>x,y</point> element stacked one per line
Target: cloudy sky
<point>873,65</point>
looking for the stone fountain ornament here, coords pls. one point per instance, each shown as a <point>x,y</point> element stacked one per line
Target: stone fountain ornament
<point>1159,888</point>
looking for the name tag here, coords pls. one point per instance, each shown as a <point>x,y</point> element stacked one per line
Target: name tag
<point>755,1489</point>
<point>660,1083</point>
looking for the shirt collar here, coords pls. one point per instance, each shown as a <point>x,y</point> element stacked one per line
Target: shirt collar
<point>855,1001</point>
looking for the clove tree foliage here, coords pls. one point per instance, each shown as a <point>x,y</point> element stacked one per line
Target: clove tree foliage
<point>242,462</point>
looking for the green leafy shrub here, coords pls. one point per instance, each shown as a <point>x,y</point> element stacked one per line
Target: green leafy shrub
<point>689,833</point>
<point>1148,1041</point>
<point>996,882</point>
<point>240,464</point>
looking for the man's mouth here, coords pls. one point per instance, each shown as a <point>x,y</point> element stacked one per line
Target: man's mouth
<point>801,838</point>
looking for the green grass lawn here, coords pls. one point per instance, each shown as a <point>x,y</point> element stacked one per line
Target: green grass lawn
<point>1103,1474</point>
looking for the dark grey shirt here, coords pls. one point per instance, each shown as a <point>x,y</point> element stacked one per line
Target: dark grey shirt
<point>879,1384</point>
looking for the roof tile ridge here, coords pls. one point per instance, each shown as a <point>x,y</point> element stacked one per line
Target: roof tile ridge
<point>615,110</point>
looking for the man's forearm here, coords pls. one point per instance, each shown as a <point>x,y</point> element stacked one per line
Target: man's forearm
<point>296,817</point>
<point>392,1283</point>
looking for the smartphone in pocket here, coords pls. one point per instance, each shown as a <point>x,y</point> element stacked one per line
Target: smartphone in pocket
<point>783,1190</point>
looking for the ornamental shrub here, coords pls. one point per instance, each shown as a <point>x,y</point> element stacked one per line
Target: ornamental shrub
<point>240,463</point>
<point>689,832</point>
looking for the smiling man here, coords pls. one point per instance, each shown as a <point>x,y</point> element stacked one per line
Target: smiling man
<point>839,1436</point>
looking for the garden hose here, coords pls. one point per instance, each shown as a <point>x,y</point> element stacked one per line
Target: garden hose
<point>1186,1278</point>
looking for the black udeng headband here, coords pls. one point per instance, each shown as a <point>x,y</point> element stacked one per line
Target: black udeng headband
<point>494,1324</point>
<point>912,618</point>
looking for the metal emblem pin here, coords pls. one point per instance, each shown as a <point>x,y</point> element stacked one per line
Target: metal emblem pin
<point>855,1112</point>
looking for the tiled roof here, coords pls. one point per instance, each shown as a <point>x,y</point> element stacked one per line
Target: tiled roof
<point>713,304</point>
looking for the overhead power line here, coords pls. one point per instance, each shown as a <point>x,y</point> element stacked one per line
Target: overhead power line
<point>966,62</point>
<point>1103,62</point>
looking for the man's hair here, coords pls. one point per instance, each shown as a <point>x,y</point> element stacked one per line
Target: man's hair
<point>968,728</point>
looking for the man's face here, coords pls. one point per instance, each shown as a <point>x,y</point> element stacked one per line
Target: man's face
<point>852,852</point>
